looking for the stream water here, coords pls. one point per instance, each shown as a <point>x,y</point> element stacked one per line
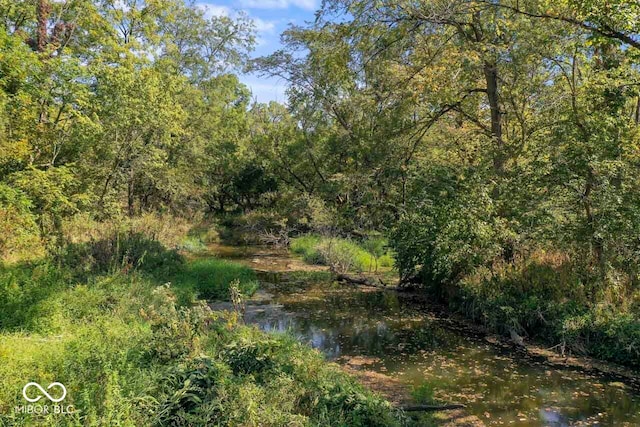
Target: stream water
<point>409,344</point>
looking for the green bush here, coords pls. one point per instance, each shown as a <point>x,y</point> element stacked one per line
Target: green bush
<point>192,244</point>
<point>19,233</point>
<point>307,247</point>
<point>121,251</point>
<point>25,292</point>
<point>131,355</point>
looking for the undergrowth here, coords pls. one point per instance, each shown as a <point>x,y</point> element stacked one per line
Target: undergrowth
<point>133,348</point>
<point>343,254</point>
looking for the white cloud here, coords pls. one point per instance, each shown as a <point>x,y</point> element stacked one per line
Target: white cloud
<point>263,26</point>
<point>279,4</point>
<point>211,10</point>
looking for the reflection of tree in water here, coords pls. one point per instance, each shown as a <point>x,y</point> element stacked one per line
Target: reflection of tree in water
<point>350,322</point>
<point>406,342</point>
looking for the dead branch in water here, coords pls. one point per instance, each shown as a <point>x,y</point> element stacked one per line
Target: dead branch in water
<point>431,408</point>
<point>377,283</point>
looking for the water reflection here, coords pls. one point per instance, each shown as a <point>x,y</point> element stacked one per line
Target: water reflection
<point>405,342</point>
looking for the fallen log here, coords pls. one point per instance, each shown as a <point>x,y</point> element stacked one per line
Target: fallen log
<point>360,280</point>
<point>431,408</point>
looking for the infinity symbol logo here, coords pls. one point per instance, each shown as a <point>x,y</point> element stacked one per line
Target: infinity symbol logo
<point>43,391</point>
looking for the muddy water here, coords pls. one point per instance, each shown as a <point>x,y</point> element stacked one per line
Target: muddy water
<point>386,333</point>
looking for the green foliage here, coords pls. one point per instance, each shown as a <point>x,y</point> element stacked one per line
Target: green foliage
<point>129,354</point>
<point>19,232</point>
<point>190,391</point>
<point>53,193</point>
<point>549,300</point>
<point>122,251</point>
<point>343,254</point>
<point>25,292</point>
<point>452,231</point>
<point>424,393</point>
<point>210,278</point>
<point>307,247</point>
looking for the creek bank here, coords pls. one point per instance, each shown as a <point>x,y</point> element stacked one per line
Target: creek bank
<point>408,341</point>
<point>628,377</point>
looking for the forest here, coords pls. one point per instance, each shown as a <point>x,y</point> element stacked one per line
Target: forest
<point>481,155</point>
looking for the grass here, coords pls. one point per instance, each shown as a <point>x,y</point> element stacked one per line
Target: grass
<point>307,247</point>
<point>345,254</point>
<point>550,302</point>
<point>210,278</point>
<point>131,351</point>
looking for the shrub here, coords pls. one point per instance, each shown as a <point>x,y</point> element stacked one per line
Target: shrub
<point>342,255</point>
<point>122,252</point>
<point>188,390</point>
<point>424,393</point>
<point>175,329</point>
<point>25,292</point>
<point>170,231</point>
<point>19,234</point>
<point>307,247</point>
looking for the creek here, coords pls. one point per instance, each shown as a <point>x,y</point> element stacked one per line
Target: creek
<point>404,347</point>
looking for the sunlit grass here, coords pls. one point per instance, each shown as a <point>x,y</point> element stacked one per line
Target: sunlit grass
<point>130,354</point>
<point>319,250</point>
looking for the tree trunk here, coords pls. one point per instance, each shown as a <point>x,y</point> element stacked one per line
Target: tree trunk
<point>493,97</point>
<point>130,194</point>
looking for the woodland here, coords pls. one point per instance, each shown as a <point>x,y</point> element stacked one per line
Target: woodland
<point>483,153</point>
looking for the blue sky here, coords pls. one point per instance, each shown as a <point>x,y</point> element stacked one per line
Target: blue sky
<point>271,18</point>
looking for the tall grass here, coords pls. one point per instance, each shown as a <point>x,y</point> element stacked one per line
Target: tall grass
<point>545,297</point>
<point>342,254</point>
<point>210,278</point>
<point>130,351</point>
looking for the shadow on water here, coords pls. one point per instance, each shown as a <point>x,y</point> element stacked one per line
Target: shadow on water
<point>402,339</point>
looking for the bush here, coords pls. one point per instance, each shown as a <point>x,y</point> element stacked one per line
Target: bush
<point>546,298</point>
<point>25,292</point>
<point>189,390</point>
<point>121,251</point>
<point>131,355</point>
<point>170,231</point>
<point>342,255</point>
<point>19,233</point>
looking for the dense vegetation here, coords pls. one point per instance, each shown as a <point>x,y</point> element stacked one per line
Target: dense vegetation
<point>493,144</point>
<point>343,255</point>
<point>130,352</point>
<point>110,111</point>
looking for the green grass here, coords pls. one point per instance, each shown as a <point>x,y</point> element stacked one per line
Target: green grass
<point>193,244</point>
<point>307,246</point>
<point>319,250</point>
<point>210,278</point>
<point>129,353</point>
<point>121,322</point>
